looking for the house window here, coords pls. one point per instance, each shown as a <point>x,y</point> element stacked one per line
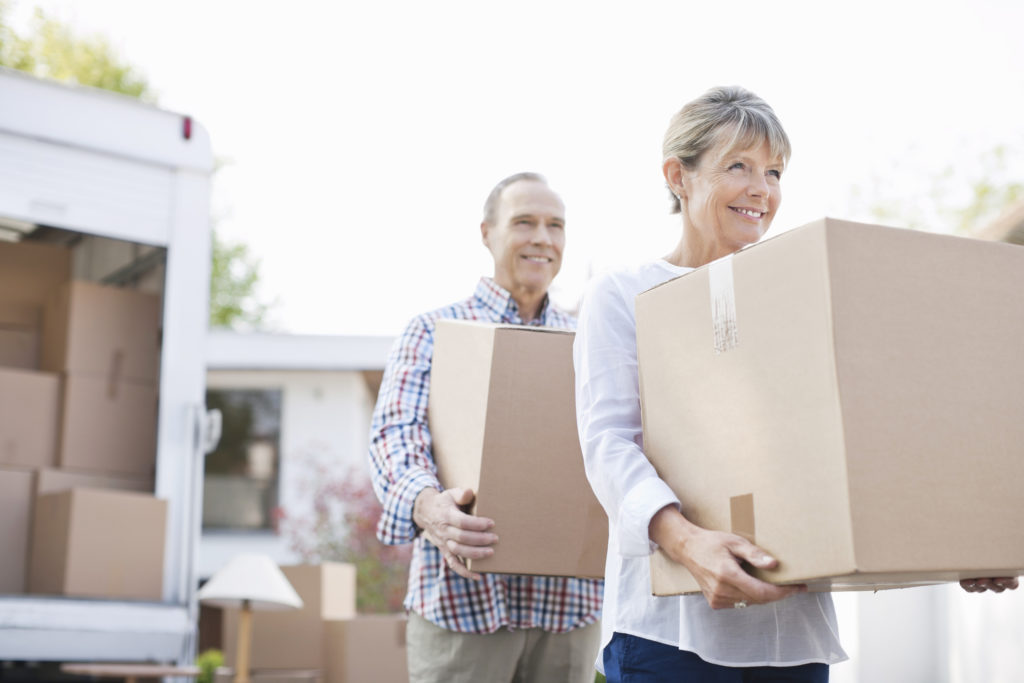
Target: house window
<point>240,483</point>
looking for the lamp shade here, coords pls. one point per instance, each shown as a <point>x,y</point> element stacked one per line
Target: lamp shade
<point>250,577</point>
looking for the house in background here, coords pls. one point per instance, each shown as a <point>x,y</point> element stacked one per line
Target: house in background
<point>289,404</point>
<point>1008,227</point>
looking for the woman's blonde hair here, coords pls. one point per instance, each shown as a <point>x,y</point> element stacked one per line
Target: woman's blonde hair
<point>732,111</point>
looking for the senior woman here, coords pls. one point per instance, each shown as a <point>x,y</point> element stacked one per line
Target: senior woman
<point>724,155</point>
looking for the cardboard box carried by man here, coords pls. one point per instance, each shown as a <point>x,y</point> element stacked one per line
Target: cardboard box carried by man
<point>503,423</point>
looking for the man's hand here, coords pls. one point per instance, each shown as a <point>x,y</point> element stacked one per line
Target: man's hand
<point>456,534</point>
<point>997,585</point>
<point>714,558</point>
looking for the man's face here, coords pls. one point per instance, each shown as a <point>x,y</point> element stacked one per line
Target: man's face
<point>527,237</point>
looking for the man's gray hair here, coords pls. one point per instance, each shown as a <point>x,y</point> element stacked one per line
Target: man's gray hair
<point>733,110</point>
<point>491,205</point>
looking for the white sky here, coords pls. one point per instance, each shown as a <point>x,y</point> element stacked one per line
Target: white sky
<point>364,136</point>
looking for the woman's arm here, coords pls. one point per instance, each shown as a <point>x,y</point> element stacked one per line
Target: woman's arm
<point>642,510</point>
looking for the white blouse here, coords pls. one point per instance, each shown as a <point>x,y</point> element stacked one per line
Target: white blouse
<point>794,631</point>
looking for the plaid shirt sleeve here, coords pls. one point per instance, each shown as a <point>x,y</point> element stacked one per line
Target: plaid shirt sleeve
<point>401,463</point>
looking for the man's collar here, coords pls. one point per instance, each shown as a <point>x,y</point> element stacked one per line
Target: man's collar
<point>499,300</point>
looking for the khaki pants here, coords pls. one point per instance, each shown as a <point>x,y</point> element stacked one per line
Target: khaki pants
<point>437,655</point>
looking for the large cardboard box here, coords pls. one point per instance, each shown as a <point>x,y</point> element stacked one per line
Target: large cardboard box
<point>108,427</point>
<point>53,480</point>
<point>98,544</point>
<point>296,639</point>
<point>503,422</point>
<point>28,418</point>
<point>102,331</point>
<point>30,272</point>
<point>848,396</point>
<point>369,647</point>
<point>225,674</point>
<point>15,517</point>
<point>19,335</point>
<point>361,649</point>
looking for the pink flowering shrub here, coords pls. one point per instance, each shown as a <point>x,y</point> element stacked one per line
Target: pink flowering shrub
<point>342,528</point>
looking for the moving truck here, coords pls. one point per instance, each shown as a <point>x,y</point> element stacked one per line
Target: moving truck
<point>119,190</point>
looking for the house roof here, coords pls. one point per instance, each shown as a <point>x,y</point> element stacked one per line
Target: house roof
<point>226,350</point>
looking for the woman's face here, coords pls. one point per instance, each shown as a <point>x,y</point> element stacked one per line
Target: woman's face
<point>730,198</point>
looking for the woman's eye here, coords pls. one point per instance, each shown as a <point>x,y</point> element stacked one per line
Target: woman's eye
<point>775,172</point>
<point>738,166</point>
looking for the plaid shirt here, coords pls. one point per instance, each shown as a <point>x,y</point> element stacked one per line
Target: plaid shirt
<point>403,466</point>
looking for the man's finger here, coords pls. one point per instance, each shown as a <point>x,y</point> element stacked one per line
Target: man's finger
<point>456,565</point>
<point>473,552</point>
<point>459,519</point>
<point>461,496</point>
<point>471,538</point>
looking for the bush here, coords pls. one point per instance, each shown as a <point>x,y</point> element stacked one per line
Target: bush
<point>342,528</point>
<point>208,662</point>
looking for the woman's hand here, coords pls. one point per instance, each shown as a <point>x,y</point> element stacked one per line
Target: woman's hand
<point>457,535</point>
<point>997,585</point>
<point>714,558</point>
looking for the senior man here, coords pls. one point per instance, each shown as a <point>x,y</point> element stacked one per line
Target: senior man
<point>463,626</point>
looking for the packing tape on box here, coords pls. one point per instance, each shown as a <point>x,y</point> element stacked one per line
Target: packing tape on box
<point>117,360</point>
<point>741,513</point>
<point>723,304</point>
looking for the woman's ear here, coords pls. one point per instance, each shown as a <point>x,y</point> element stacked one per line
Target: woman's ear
<point>674,176</point>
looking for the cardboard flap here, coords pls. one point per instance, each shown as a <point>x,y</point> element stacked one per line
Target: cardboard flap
<point>457,406</point>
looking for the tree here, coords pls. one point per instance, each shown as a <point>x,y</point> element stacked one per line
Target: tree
<point>234,277</point>
<point>959,199</point>
<point>51,49</point>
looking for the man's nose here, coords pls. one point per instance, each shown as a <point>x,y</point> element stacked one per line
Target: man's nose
<point>542,235</point>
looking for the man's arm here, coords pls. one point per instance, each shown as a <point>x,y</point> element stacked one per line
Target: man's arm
<point>400,462</point>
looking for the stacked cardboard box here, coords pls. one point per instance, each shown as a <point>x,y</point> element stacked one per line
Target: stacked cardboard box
<point>75,550</point>
<point>15,516</point>
<point>19,335</point>
<point>847,396</point>
<point>104,341</point>
<point>324,639</point>
<point>69,417</point>
<point>502,410</point>
<point>29,399</point>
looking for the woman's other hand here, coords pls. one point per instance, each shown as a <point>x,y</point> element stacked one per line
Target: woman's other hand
<point>714,559</point>
<point>996,585</point>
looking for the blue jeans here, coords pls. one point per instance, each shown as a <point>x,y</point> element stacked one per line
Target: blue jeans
<point>631,659</point>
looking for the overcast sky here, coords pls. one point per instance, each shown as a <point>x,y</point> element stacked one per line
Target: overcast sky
<point>363,137</point>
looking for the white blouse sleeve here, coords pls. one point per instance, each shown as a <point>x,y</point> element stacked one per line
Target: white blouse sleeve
<point>608,416</point>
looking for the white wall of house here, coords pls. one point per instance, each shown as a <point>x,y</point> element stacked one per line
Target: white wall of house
<point>328,391</point>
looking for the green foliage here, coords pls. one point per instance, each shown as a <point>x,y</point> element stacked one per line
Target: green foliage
<point>992,192</point>
<point>53,50</point>
<point>234,278</point>
<point>342,528</point>
<point>208,662</point>
<point>957,199</point>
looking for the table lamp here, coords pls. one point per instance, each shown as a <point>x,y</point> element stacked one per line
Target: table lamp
<point>251,582</point>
